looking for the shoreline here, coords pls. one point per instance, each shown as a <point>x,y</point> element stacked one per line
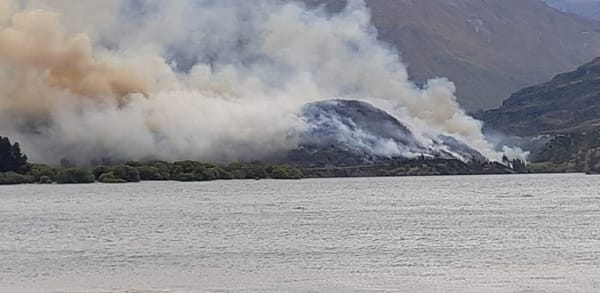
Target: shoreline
<point>193,171</point>
<point>307,178</point>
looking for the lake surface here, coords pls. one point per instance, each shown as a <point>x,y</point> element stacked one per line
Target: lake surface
<point>537,233</point>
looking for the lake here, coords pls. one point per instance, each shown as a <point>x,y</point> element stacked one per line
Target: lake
<point>529,233</point>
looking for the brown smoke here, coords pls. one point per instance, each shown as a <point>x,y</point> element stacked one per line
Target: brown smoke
<point>37,48</point>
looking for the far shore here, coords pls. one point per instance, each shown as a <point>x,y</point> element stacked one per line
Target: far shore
<point>190,171</point>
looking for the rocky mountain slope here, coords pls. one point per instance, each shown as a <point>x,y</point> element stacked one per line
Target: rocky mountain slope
<point>560,119</point>
<point>569,102</point>
<point>490,48</point>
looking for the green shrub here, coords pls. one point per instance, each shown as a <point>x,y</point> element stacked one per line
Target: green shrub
<point>110,178</point>
<point>549,167</point>
<point>187,177</point>
<point>39,170</point>
<point>127,173</point>
<point>239,174</point>
<point>186,167</point>
<point>74,176</point>
<point>224,174</point>
<point>286,172</point>
<point>98,171</point>
<point>210,173</point>
<point>29,179</point>
<point>11,178</point>
<point>45,180</point>
<point>194,171</point>
<point>248,171</point>
<point>164,169</point>
<point>256,171</point>
<point>149,173</point>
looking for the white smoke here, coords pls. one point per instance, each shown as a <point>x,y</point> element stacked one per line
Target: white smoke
<point>207,80</point>
<point>513,153</point>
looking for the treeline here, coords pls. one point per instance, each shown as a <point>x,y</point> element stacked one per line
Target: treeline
<point>184,171</point>
<point>190,171</point>
<point>14,169</point>
<point>414,167</point>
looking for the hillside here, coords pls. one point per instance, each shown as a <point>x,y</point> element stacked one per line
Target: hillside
<point>348,138</point>
<point>351,133</point>
<point>566,111</point>
<point>570,101</point>
<point>490,49</point>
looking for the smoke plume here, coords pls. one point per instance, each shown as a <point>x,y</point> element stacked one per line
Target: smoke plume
<point>206,80</point>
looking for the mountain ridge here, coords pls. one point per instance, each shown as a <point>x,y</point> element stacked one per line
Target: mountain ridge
<point>490,49</point>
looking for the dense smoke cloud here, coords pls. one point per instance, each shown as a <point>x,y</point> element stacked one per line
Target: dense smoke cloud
<point>36,47</point>
<point>208,80</point>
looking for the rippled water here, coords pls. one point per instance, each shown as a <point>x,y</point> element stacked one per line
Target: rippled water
<point>435,234</point>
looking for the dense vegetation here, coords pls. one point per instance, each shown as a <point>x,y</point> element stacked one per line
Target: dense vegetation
<point>414,167</point>
<point>570,152</point>
<point>563,153</point>
<point>185,171</point>
<point>15,170</point>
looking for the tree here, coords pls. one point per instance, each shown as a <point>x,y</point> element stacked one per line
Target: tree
<point>505,161</point>
<point>519,166</point>
<point>11,158</point>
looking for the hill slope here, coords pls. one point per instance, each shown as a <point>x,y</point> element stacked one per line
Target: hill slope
<point>568,102</point>
<point>351,133</point>
<point>488,48</point>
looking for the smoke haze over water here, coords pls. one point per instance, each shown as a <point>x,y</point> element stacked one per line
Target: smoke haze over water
<point>205,80</point>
